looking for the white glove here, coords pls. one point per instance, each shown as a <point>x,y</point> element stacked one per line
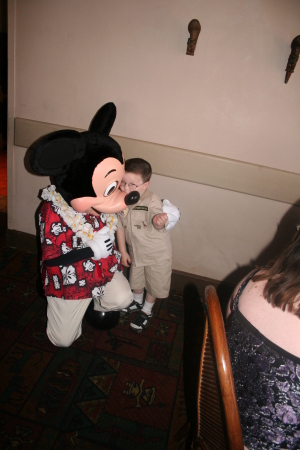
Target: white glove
<point>102,244</point>
<point>172,212</point>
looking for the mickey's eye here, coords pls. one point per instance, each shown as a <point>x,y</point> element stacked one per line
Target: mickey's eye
<point>110,189</point>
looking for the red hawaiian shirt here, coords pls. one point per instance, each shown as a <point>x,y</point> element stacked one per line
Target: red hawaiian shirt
<point>79,280</point>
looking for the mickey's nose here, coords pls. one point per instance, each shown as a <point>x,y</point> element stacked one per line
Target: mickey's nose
<point>132,198</point>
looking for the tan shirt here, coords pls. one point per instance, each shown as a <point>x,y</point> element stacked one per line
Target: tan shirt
<point>146,245</point>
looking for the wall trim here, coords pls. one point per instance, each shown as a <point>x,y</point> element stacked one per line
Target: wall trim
<point>195,167</point>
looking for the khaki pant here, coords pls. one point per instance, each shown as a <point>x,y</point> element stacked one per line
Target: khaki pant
<point>64,324</point>
<point>156,279</point>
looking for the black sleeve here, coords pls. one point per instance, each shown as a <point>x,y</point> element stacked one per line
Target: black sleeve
<point>70,257</point>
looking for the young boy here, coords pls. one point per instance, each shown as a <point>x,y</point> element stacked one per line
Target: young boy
<point>143,228</point>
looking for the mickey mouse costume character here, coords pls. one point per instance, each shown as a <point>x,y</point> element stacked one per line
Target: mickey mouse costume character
<point>77,221</point>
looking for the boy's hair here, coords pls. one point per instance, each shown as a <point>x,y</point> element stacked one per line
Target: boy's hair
<point>140,167</point>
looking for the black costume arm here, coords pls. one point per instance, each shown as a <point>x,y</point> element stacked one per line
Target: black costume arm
<point>70,257</point>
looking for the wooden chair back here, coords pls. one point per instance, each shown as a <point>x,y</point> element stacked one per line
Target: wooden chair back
<point>218,421</point>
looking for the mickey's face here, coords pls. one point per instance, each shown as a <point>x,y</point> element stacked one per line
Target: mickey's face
<point>105,181</point>
<point>86,167</point>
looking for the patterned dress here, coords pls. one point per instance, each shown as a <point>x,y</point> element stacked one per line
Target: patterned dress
<point>267,382</point>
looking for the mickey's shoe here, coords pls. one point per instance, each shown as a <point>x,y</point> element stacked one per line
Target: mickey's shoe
<point>140,322</point>
<point>101,320</point>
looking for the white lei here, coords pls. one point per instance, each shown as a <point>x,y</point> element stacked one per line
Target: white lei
<point>75,220</point>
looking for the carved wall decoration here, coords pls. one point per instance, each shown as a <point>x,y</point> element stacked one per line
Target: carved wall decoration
<point>194,28</point>
<point>293,58</point>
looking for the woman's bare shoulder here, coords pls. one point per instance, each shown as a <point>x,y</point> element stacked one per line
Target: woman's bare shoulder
<point>278,326</point>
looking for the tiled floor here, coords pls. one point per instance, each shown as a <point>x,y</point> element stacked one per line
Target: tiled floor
<point>3,181</point>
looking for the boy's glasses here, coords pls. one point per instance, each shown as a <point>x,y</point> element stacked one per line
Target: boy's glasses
<point>131,186</point>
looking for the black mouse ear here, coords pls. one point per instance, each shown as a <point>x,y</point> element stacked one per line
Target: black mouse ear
<point>104,119</point>
<point>53,154</point>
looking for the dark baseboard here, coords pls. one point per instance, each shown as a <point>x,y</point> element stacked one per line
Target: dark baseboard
<point>196,284</point>
<point>198,280</point>
<point>22,241</point>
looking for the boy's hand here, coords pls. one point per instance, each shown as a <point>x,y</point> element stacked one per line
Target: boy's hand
<point>159,220</point>
<point>126,261</point>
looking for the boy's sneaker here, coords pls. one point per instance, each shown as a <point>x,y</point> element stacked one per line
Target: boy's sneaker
<point>140,322</point>
<point>133,307</point>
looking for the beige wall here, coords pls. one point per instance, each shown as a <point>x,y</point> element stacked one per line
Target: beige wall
<point>68,57</point>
